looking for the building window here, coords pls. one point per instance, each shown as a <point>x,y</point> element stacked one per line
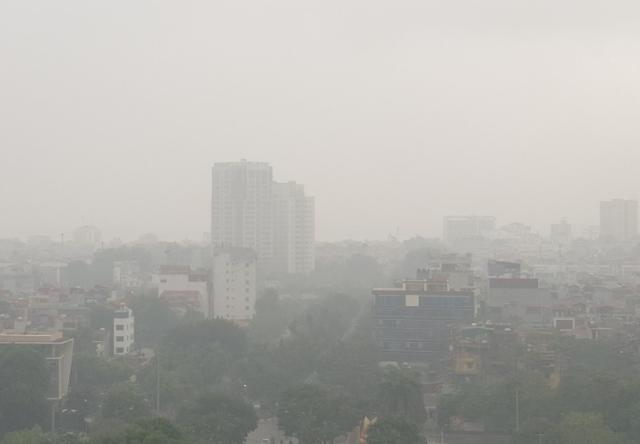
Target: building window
<point>120,327</point>
<point>119,338</point>
<point>120,350</point>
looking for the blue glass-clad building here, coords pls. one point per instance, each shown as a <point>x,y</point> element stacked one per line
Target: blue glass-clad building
<point>415,322</point>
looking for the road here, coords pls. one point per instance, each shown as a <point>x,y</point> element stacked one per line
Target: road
<point>267,429</point>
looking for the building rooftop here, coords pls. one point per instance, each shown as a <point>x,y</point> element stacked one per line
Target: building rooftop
<point>8,337</point>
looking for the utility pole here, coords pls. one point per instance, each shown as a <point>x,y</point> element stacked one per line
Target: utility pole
<point>517,410</point>
<point>53,416</point>
<point>157,383</point>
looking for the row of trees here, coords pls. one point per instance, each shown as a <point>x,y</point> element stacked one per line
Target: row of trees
<point>304,362</point>
<point>596,400</point>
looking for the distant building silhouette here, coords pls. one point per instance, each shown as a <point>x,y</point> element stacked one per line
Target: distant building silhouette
<point>457,228</point>
<point>618,220</point>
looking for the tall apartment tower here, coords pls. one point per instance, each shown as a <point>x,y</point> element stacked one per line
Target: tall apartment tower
<point>276,220</point>
<point>241,207</point>
<point>294,228</point>
<point>618,219</point>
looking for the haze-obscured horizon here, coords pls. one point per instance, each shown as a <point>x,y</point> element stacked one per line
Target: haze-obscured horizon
<point>392,114</point>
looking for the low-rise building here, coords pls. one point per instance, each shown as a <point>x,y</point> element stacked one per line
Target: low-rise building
<point>184,289</point>
<point>57,352</point>
<point>123,331</point>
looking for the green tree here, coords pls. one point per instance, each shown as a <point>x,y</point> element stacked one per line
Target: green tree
<point>314,415</point>
<point>24,377</point>
<point>124,402</point>
<point>394,431</point>
<point>270,321</point>
<point>200,335</point>
<point>31,436</point>
<point>218,418</point>
<point>400,394</point>
<point>154,319</point>
<point>147,431</point>
<point>584,428</point>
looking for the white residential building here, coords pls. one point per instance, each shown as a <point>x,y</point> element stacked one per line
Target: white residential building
<point>123,331</point>
<point>241,208</point>
<point>234,284</point>
<point>294,228</point>
<point>183,288</point>
<point>250,210</point>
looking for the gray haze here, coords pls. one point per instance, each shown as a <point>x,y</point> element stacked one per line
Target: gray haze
<point>393,114</point>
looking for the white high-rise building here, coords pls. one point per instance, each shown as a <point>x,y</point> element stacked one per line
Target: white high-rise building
<point>294,228</point>
<point>456,228</point>
<point>250,210</point>
<point>618,219</point>
<point>241,209</point>
<point>234,284</point>
<point>123,331</point>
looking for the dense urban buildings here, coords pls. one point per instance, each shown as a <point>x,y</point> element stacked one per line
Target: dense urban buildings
<point>618,220</point>
<point>250,210</point>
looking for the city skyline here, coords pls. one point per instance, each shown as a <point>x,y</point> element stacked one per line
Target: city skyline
<point>523,113</point>
<point>584,228</point>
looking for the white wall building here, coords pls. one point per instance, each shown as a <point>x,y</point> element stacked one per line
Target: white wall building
<point>234,284</point>
<point>250,210</point>
<point>618,219</point>
<point>241,208</point>
<point>123,331</point>
<point>127,274</point>
<point>183,288</point>
<point>294,228</point>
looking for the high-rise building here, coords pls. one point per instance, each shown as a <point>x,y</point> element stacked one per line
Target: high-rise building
<point>560,233</point>
<point>618,219</point>
<point>458,228</point>
<point>234,284</point>
<point>241,206</point>
<point>250,210</point>
<point>294,228</point>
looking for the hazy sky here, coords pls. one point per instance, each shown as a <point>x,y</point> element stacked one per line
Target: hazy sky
<point>392,113</point>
